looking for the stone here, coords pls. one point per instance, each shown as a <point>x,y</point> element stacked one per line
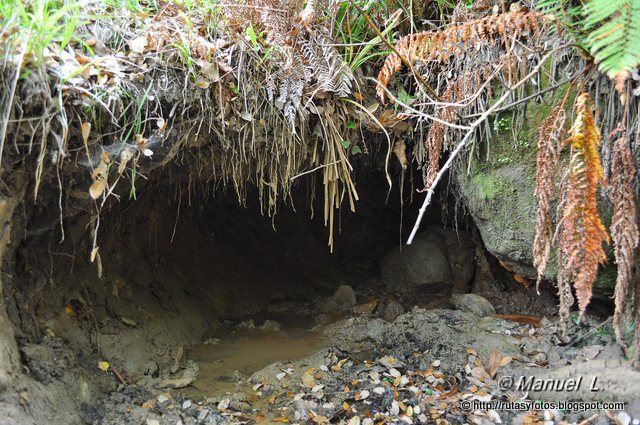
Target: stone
<point>473,303</point>
<point>271,326</point>
<point>461,256</point>
<point>392,310</point>
<point>421,267</point>
<point>341,301</point>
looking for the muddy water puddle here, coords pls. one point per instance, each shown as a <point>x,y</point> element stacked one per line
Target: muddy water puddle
<point>228,359</point>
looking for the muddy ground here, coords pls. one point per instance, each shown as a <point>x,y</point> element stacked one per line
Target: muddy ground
<point>207,314</point>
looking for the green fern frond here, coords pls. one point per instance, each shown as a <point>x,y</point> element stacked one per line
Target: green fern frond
<point>613,28</point>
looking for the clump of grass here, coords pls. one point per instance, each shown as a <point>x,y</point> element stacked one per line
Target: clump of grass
<point>30,28</point>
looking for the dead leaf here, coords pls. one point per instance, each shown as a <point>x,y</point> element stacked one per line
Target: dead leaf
<point>97,189</point>
<point>522,280</point>
<point>400,150</point>
<point>494,363</point>
<point>320,419</point>
<point>138,44</point>
<point>210,71</point>
<point>281,419</point>
<point>202,83</point>
<point>149,404</point>
<point>100,172</point>
<point>521,318</point>
<point>362,395</point>
<point>162,124</point>
<point>86,130</point>
<point>308,380</point>
<point>366,308</point>
<point>104,156</point>
<point>125,157</point>
<point>505,361</point>
<point>479,373</point>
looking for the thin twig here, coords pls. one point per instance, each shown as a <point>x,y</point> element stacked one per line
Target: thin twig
<point>467,137</point>
<point>315,169</point>
<point>526,99</point>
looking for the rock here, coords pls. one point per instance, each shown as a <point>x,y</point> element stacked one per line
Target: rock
<point>246,325</point>
<point>461,255</point>
<point>189,374</point>
<point>271,326</point>
<point>473,303</point>
<point>341,301</point>
<point>421,267</point>
<point>392,310</point>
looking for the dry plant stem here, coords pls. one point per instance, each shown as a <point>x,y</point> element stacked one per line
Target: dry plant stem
<point>422,114</point>
<point>320,167</point>
<point>9,103</point>
<point>467,137</point>
<point>407,63</point>
<point>118,376</point>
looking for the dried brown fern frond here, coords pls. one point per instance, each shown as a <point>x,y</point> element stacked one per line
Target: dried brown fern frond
<point>457,39</point>
<point>552,133</point>
<point>436,137</point>
<point>581,230</point>
<point>624,227</point>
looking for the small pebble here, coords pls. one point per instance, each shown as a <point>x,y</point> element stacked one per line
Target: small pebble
<point>422,418</point>
<point>436,363</point>
<point>186,404</point>
<point>162,399</point>
<point>395,408</point>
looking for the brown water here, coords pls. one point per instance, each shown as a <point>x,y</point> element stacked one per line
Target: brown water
<point>226,364</point>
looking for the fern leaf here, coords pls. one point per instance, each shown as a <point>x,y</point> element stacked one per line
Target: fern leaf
<point>440,45</point>
<point>437,134</point>
<point>551,132</point>
<point>582,232</point>
<point>624,227</point>
<point>614,32</point>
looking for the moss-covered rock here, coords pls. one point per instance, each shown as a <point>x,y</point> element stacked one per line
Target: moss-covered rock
<point>498,191</point>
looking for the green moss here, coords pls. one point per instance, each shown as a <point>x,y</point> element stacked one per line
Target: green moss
<point>605,283</point>
<point>489,187</point>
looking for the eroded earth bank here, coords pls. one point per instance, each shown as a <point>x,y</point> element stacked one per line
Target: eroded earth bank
<point>202,311</point>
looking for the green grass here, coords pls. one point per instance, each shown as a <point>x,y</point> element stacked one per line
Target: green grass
<point>30,27</point>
